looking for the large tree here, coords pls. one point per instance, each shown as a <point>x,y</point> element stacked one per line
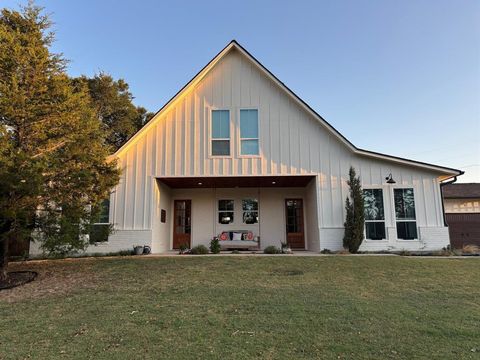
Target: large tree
<point>114,107</point>
<point>53,148</point>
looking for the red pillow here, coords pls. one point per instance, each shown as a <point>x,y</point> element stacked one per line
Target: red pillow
<point>250,236</point>
<point>223,236</point>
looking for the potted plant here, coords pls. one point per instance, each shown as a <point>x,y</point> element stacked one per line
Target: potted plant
<point>138,250</point>
<point>286,248</point>
<point>183,249</point>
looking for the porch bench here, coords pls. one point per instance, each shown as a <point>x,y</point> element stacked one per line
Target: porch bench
<point>226,240</point>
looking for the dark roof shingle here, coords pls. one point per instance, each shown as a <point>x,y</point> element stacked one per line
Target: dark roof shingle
<point>461,191</point>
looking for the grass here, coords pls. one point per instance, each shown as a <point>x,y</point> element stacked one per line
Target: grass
<point>245,308</point>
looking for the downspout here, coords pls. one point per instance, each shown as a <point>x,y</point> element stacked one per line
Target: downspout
<point>442,184</point>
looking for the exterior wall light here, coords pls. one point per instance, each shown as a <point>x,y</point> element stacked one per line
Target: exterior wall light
<point>390,180</point>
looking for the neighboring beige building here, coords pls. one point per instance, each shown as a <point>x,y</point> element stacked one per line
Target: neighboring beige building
<point>462,213</point>
<point>237,154</point>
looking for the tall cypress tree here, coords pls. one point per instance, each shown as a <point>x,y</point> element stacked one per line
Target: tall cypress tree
<point>355,218</point>
<point>52,145</point>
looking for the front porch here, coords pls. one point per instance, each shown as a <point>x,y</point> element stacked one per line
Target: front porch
<point>266,209</point>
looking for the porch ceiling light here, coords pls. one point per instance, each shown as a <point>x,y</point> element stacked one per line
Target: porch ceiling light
<point>390,180</point>
<point>274,182</point>
<point>200,183</point>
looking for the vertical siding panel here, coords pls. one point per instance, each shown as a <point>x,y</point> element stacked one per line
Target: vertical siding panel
<point>121,194</point>
<point>192,140</point>
<point>197,123</point>
<point>167,139</point>
<point>186,137</point>
<point>147,148</point>
<point>438,202</point>
<point>131,192</point>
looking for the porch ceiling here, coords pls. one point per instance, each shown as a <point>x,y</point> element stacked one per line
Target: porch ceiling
<point>236,181</point>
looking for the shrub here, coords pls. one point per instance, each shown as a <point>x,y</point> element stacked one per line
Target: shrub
<point>215,246</point>
<point>272,250</point>
<point>326,251</point>
<point>199,250</point>
<point>471,249</point>
<point>355,219</point>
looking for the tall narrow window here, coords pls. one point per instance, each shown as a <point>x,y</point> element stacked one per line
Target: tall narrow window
<point>250,211</point>
<point>220,132</point>
<point>225,211</point>
<point>374,214</point>
<point>249,132</point>
<point>405,214</point>
<point>100,230</point>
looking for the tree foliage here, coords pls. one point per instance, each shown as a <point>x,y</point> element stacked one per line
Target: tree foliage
<point>114,107</point>
<point>355,218</point>
<point>53,147</point>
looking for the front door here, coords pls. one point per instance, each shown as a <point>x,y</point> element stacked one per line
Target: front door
<point>294,221</point>
<point>182,227</point>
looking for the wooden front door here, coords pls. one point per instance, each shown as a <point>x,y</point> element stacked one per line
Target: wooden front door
<point>182,224</point>
<point>294,222</point>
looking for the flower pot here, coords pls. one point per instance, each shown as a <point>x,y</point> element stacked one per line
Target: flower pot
<point>138,250</point>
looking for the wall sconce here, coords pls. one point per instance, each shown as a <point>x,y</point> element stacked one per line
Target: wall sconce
<point>390,180</point>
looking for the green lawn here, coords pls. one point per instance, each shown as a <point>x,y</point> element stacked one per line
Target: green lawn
<point>244,308</point>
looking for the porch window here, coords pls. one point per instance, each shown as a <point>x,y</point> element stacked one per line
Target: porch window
<point>225,211</point>
<point>249,132</point>
<point>374,214</point>
<point>250,211</point>
<point>220,133</point>
<point>405,213</point>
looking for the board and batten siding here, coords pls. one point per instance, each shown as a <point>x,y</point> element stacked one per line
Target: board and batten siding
<point>292,142</point>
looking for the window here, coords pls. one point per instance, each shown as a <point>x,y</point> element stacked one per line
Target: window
<point>374,214</point>
<point>101,229</point>
<point>104,212</point>
<point>250,211</point>
<point>220,133</point>
<point>225,211</point>
<point>249,132</point>
<point>405,214</point>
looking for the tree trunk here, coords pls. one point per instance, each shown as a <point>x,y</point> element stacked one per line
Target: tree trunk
<point>3,259</point>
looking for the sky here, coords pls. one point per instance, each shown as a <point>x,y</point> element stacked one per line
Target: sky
<point>397,77</point>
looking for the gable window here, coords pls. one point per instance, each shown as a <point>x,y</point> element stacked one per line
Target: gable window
<point>405,213</point>
<point>220,133</point>
<point>249,132</point>
<point>250,211</point>
<point>225,211</point>
<point>374,214</point>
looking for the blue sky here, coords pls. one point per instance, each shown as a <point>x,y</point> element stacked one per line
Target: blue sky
<point>399,77</point>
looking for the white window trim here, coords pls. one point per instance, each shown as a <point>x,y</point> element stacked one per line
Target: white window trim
<point>211,139</point>
<point>239,138</point>
<point>373,187</point>
<point>392,193</point>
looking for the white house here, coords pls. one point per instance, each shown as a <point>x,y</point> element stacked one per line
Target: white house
<point>237,152</point>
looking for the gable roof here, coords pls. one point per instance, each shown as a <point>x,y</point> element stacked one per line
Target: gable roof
<point>449,172</point>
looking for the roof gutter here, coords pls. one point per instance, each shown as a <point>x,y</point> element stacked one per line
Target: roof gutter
<point>442,184</point>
